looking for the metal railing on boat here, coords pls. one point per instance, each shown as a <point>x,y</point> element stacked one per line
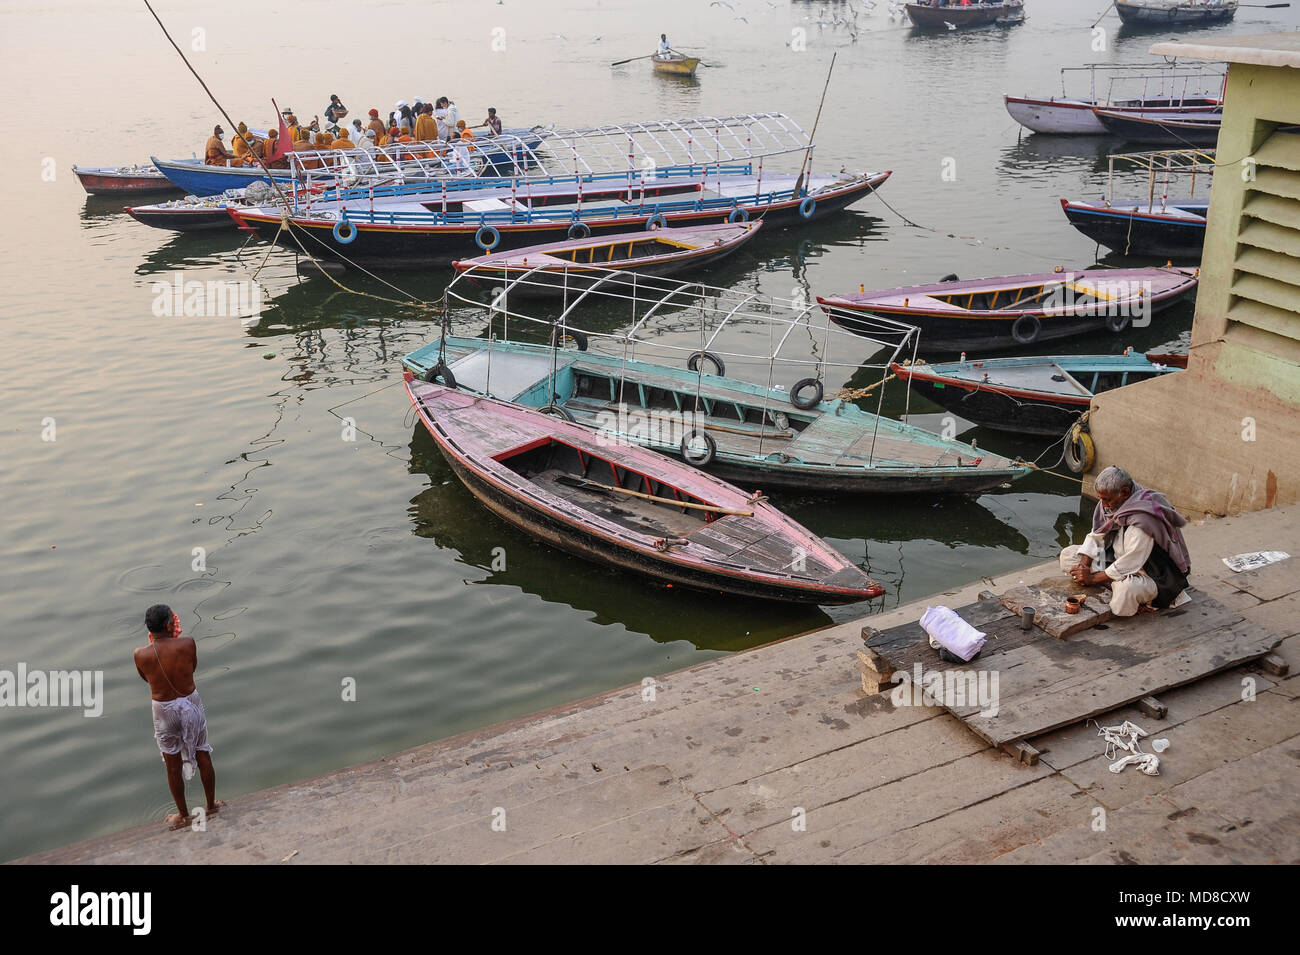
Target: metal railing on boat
<point>791,333</point>
<point>718,145</point>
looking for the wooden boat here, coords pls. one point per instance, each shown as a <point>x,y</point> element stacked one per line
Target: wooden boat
<point>674,64</point>
<point>428,232</point>
<point>191,214</point>
<point>1076,117</point>
<point>958,16</point>
<point>1137,126</point>
<point>1029,395</point>
<point>199,179</point>
<point>1165,13</point>
<point>133,180</point>
<point>754,434</point>
<point>1173,230</point>
<point>1012,311</point>
<point>572,263</point>
<point>630,508</point>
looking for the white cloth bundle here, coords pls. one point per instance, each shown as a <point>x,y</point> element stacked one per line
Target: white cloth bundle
<point>950,631</point>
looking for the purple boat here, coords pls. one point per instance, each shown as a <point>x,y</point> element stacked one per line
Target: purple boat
<point>1010,311</point>
<point>628,507</point>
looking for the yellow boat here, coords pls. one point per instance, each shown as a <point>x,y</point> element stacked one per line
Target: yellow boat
<point>675,63</point>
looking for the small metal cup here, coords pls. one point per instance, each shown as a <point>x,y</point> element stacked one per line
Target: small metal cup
<point>1026,618</point>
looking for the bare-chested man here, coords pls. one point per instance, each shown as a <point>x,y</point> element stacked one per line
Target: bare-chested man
<point>180,725</point>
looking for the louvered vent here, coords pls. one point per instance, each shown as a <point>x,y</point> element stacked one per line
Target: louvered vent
<point>1266,283</point>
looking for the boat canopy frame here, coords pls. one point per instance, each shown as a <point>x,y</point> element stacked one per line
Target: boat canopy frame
<point>1161,162</point>
<point>1129,73</point>
<point>658,306</point>
<point>639,151</point>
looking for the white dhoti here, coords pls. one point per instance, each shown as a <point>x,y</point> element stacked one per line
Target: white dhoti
<point>1130,587</point>
<point>181,726</point>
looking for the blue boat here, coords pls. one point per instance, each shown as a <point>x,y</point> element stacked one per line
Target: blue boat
<point>1039,395</point>
<point>769,438</point>
<point>199,179</point>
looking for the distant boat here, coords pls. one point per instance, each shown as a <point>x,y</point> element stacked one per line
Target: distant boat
<point>1164,13</point>
<point>1018,310</point>
<point>1172,230</point>
<point>674,64</point>
<point>655,252</point>
<point>957,16</point>
<point>1137,126</point>
<point>1030,395</point>
<point>630,508</point>
<point>132,180</point>
<point>749,434</point>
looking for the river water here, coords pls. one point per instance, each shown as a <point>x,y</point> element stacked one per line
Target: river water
<point>325,559</point>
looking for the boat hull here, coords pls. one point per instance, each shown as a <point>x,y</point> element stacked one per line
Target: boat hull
<point>1159,131</point>
<point>385,246</point>
<point>685,66</point>
<point>1156,17</point>
<point>563,277</point>
<point>1059,117</point>
<point>951,329</point>
<point>925,17</point>
<point>1131,232</point>
<point>109,182</point>
<point>1001,405</point>
<point>198,219</point>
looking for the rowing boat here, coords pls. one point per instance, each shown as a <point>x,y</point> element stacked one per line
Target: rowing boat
<point>570,265</point>
<point>627,507</point>
<point>1012,311</point>
<point>1138,126</point>
<point>958,16</point>
<point>132,180</point>
<point>674,64</point>
<point>1029,395</point>
<point>1165,13</point>
<point>432,229</point>
<point>737,430</point>
<point>1171,230</point>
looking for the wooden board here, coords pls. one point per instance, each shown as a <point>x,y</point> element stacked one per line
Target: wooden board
<point>1047,597</point>
<point>1046,683</point>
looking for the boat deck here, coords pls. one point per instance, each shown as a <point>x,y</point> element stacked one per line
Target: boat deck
<point>638,516</point>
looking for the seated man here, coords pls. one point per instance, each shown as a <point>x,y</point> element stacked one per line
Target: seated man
<point>1136,547</point>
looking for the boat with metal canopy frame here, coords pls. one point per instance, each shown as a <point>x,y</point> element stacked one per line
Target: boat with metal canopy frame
<point>661,382</point>
<point>1155,225</point>
<point>606,180</point>
<point>1158,89</point>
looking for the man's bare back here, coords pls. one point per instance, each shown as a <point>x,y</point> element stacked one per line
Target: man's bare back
<point>168,665</point>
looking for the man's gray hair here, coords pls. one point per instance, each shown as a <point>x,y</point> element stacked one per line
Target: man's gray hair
<point>1113,480</point>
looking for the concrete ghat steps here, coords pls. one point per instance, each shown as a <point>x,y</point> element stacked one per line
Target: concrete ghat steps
<point>775,755</point>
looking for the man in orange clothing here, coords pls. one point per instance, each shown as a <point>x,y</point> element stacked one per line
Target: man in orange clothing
<point>215,152</point>
<point>377,125</point>
<point>426,128</point>
<point>342,141</point>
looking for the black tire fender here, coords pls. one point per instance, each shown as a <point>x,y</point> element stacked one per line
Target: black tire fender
<point>803,404</point>
<point>693,363</point>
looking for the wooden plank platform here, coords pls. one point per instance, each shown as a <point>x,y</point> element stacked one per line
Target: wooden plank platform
<point>1044,683</point>
<point>1047,597</point>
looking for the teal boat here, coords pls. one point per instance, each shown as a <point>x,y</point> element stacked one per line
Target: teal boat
<point>742,432</point>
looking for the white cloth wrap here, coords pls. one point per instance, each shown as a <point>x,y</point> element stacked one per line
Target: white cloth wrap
<point>181,726</point>
<point>952,632</point>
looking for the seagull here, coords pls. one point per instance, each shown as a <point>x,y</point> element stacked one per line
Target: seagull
<point>950,26</point>
<point>560,36</point>
<point>742,19</point>
<point>723,3</point>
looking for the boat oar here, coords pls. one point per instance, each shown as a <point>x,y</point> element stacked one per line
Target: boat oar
<point>632,60</point>
<point>1103,13</point>
<point>571,481</point>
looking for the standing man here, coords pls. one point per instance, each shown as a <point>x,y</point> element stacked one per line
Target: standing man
<point>1136,547</point>
<point>180,724</point>
<point>493,122</point>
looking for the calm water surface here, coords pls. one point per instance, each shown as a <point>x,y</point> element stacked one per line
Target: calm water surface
<point>329,559</point>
